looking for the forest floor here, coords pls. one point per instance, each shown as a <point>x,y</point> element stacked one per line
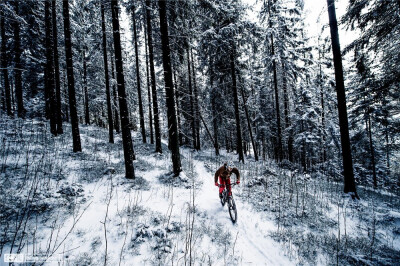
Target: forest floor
<point>78,208</point>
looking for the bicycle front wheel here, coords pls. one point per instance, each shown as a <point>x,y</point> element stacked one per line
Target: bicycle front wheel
<point>232,209</point>
<point>223,199</point>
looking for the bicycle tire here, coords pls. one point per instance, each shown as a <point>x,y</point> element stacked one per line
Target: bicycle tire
<point>223,199</point>
<point>232,209</point>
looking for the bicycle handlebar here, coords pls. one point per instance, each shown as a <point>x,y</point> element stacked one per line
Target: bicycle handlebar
<point>232,184</point>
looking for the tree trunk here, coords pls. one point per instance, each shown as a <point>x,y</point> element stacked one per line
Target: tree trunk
<point>278,115</point>
<point>371,147</point>
<point>214,109</point>
<point>239,147</point>
<point>153,79</point>
<point>169,90</point>
<point>4,65</point>
<point>50,69</point>
<point>196,104</point>
<point>178,113</point>
<point>148,88</point>
<point>71,83</point>
<point>107,79</point>
<point>115,94</point>
<point>85,89</point>
<point>56,70</point>
<point>192,114</point>
<point>322,115</point>
<point>18,66</point>
<point>208,131</point>
<point>141,115</point>
<point>286,112</point>
<point>349,183</point>
<point>65,86</point>
<point>249,125</point>
<point>126,132</point>
<point>278,112</point>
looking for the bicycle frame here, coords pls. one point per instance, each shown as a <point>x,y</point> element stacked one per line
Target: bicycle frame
<point>231,203</point>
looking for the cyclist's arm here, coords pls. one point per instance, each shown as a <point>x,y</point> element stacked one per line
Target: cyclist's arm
<point>236,172</point>
<point>217,173</point>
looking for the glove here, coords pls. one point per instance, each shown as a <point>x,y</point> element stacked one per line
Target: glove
<point>216,184</point>
<point>238,182</point>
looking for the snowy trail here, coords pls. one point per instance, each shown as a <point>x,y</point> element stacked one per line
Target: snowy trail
<point>253,244</point>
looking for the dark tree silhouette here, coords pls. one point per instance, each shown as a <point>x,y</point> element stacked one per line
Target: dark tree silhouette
<point>107,79</point>
<point>18,65</point>
<point>169,91</point>
<point>56,69</point>
<point>4,65</point>
<point>71,82</point>
<point>148,88</point>
<point>349,183</point>
<point>236,103</point>
<point>123,107</point>
<point>115,99</point>
<point>50,69</point>
<point>85,89</point>
<point>139,90</point>
<point>157,131</point>
<point>278,112</point>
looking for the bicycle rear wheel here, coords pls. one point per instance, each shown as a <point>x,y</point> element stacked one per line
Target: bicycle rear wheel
<point>232,209</point>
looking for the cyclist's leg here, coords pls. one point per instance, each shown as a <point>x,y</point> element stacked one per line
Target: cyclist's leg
<point>222,186</point>
<point>228,185</point>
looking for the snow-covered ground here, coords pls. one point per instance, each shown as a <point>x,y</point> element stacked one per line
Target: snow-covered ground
<point>80,209</point>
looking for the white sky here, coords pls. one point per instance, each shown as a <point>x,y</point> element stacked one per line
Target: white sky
<point>316,14</point>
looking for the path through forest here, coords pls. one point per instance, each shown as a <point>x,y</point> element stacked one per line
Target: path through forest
<point>253,245</point>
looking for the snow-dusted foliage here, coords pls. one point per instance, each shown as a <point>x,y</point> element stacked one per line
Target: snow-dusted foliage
<point>79,206</point>
<point>242,79</point>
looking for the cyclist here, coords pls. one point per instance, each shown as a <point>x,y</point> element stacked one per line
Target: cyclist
<point>224,175</point>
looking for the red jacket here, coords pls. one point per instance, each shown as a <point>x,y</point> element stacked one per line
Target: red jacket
<point>226,173</point>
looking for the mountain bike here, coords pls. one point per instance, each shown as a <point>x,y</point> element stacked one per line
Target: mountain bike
<point>226,198</point>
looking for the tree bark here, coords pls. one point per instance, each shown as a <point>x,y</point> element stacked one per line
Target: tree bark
<point>178,113</point>
<point>71,83</point>
<point>50,69</point>
<point>286,112</point>
<point>18,66</point>
<point>85,88</point>
<point>115,94</point>
<point>4,65</point>
<point>148,88</point>
<point>107,79</point>
<point>65,87</point>
<point>349,183</point>
<point>207,130</point>
<point>56,69</point>
<point>153,79</point>
<point>214,109</point>
<point>371,147</point>
<point>239,142</point>
<point>322,112</point>
<point>169,90</point>
<point>126,132</point>
<point>192,114</point>
<point>141,115</point>
<point>278,115</point>
<point>196,104</point>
